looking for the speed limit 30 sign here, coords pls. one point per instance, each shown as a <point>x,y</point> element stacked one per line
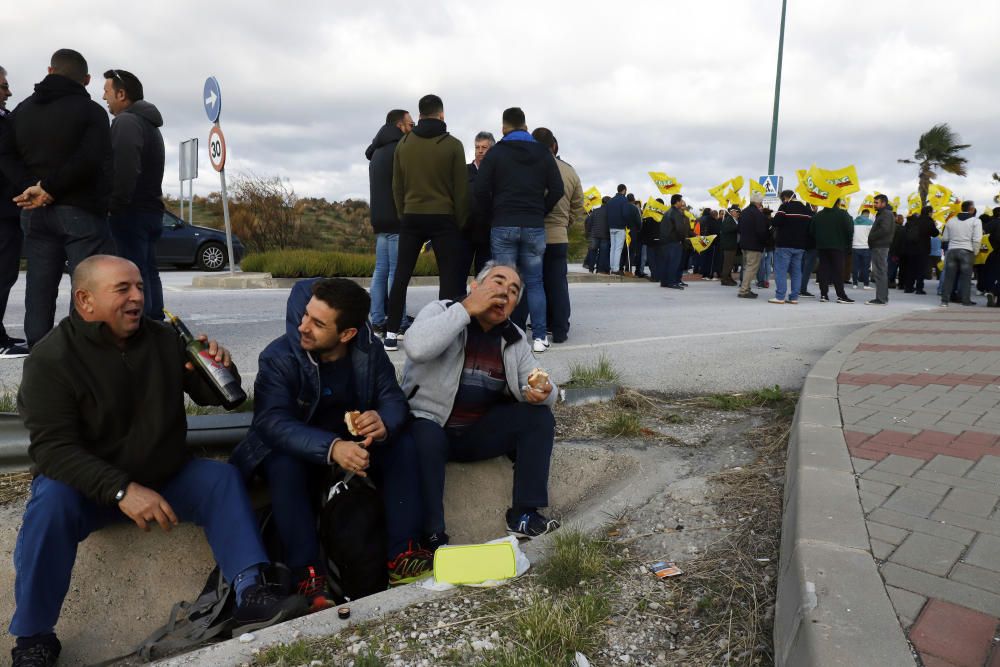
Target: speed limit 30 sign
<point>217,148</point>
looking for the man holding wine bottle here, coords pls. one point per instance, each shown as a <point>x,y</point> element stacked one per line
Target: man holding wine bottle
<point>107,436</point>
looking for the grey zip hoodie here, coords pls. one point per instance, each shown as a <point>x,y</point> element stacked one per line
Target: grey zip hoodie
<point>435,351</point>
<point>964,232</point>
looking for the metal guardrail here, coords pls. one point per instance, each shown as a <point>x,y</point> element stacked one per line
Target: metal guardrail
<point>206,433</point>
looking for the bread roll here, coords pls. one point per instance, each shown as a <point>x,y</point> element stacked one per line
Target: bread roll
<point>349,418</point>
<point>537,379</point>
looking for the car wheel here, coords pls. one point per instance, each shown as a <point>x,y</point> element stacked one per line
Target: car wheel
<point>212,257</point>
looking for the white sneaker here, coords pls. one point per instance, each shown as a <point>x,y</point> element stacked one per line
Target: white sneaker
<point>772,300</point>
<point>539,345</point>
<point>867,287</point>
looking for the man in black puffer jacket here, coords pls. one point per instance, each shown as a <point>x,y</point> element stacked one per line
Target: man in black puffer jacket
<point>385,218</point>
<point>11,238</point>
<point>58,155</point>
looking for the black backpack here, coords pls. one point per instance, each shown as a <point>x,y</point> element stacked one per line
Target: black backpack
<point>352,530</point>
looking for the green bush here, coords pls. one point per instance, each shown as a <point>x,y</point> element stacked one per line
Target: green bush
<point>310,263</point>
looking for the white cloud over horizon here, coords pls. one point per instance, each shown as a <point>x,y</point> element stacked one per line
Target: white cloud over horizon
<point>685,87</point>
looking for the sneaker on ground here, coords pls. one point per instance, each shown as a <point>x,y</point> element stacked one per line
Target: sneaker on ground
<point>867,287</point>
<point>411,565</point>
<point>530,524</point>
<point>824,299</point>
<point>13,351</point>
<point>379,330</point>
<point>806,295</point>
<point>312,587</point>
<point>774,300</point>
<point>44,654</point>
<point>390,342</point>
<point>875,302</point>
<point>944,304</point>
<point>11,340</point>
<point>919,291</point>
<point>747,295</point>
<point>264,605</point>
<point>855,286</point>
<point>844,299</point>
<point>969,303</point>
<point>539,345</point>
<point>792,302</point>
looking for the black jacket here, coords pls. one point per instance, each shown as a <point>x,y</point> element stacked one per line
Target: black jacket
<point>138,150</point>
<point>99,416</point>
<point>729,233</point>
<point>754,234</point>
<point>518,182</point>
<point>599,224</point>
<point>476,228</point>
<point>385,220</point>
<point>791,225</point>
<point>674,227</point>
<point>917,233</point>
<point>650,234</point>
<point>62,138</point>
<point>9,212</point>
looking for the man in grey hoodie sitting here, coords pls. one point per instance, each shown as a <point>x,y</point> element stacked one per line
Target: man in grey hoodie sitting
<point>466,377</point>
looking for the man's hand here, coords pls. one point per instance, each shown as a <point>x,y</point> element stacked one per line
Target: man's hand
<point>536,396</point>
<point>369,424</point>
<point>351,456</point>
<point>144,506</point>
<point>218,352</point>
<point>33,197</point>
<point>483,297</point>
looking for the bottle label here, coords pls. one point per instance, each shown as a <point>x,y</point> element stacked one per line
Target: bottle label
<point>222,375</point>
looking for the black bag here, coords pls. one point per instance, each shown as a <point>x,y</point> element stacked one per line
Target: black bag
<point>352,530</point>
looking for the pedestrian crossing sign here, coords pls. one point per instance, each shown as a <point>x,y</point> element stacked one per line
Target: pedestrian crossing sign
<point>771,185</point>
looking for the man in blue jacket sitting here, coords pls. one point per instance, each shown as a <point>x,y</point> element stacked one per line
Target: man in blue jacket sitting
<point>327,364</point>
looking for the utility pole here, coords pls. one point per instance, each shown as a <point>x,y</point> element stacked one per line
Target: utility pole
<point>777,90</point>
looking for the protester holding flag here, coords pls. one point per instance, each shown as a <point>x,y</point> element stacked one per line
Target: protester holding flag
<point>791,237</point>
<point>729,244</point>
<point>833,230</point>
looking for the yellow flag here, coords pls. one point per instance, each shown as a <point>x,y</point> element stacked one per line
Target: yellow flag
<point>655,209</point>
<point>984,250</point>
<point>591,199</point>
<point>732,196</point>
<point>628,237</point>
<point>667,185</point>
<point>845,180</point>
<point>757,187</point>
<point>814,189</point>
<point>895,204</point>
<point>690,216</point>
<point>728,192</point>
<point>869,201</point>
<point>737,183</point>
<point>845,203</point>
<point>913,204</point>
<point>701,243</point>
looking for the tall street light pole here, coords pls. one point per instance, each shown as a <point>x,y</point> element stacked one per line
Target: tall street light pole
<point>777,90</point>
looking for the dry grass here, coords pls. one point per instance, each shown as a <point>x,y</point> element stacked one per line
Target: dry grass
<point>14,486</point>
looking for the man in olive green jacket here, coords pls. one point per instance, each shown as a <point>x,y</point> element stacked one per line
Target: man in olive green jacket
<point>567,210</point>
<point>429,183</point>
<point>833,230</point>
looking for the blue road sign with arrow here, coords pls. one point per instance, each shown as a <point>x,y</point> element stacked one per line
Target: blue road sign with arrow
<point>212,97</point>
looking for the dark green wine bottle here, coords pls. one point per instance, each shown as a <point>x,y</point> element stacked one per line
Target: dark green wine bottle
<point>223,381</point>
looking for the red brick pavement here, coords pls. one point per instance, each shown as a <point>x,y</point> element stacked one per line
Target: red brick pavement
<point>947,634</point>
<point>917,379</point>
<point>971,445</point>
<point>935,332</point>
<point>882,347</point>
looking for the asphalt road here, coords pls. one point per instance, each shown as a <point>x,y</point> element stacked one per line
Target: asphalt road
<point>703,339</point>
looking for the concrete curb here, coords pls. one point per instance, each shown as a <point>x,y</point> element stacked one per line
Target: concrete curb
<point>832,606</point>
<point>239,280</point>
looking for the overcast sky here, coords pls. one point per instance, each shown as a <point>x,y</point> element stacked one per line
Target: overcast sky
<point>627,87</point>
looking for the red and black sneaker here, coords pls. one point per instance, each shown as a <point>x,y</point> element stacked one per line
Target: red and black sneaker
<point>410,565</point>
<point>312,586</point>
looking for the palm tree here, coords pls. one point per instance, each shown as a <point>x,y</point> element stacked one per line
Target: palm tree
<point>938,149</point>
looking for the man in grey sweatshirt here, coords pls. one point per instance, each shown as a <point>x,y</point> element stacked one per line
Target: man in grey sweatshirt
<point>964,235</point>
<point>466,378</point>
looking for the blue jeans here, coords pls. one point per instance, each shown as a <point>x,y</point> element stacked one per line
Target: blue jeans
<point>861,268</point>
<point>808,266</point>
<point>58,517</point>
<point>386,253</point>
<point>521,430</point>
<point>787,261</point>
<point>617,244</point>
<point>669,264</point>
<point>524,247</point>
<point>135,234</point>
<point>958,265</point>
<point>295,485</point>
<point>766,264</point>
<point>54,235</point>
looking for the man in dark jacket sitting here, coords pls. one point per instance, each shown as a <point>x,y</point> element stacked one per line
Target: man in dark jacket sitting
<point>108,445</point>
<point>327,364</point>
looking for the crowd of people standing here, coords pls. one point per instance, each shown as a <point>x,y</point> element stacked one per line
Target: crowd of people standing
<point>879,250</point>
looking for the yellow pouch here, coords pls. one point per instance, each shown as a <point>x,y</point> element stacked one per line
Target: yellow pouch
<point>474,563</point>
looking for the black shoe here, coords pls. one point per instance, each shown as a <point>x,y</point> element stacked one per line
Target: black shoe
<point>919,291</point>
<point>43,654</point>
<point>264,605</point>
<point>991,301</point>
<point>970,303</point>
<point>672,286</point>
<point>824,298</point>
<point>844,299</point>
<point>390,344</point>
<point>529,524</point>
<point>11,340</point>
<point>13,352</point>
<point>892,284</point>
<point>379,330</point>
<point>806,295</point>
<point>875,302</point>
<point>559,339</point>
<point>747,295</point>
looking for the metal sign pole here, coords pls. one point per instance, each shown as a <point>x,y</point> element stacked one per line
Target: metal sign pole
<point>181,198</point>
<point>225,216</point>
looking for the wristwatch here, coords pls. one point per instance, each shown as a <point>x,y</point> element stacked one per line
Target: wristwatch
<point>121,494</point>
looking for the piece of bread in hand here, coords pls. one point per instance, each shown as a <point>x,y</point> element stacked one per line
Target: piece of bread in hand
<point>349,418</point>
<point>537,379</point>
